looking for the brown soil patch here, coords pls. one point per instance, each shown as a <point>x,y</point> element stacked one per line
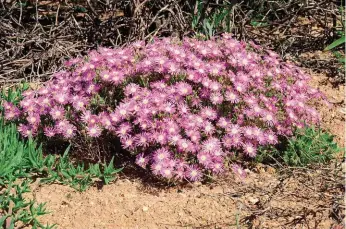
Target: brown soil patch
<point>299,198</point>
<point>267,198</point>
<point>332,118</point>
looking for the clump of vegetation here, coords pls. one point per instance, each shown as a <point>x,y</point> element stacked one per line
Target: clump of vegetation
<point>21,160</point>
<point>181,106</point>
<point>206,26</point>
<point>16,162</point>
<point>15,209</point>
<point>308,145</point>
<point>340,41</point>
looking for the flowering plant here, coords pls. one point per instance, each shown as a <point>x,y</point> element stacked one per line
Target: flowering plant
<point>183,107</point>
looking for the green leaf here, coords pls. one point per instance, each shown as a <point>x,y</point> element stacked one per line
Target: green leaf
<point>2,220</point>
<point>66,152</point>
<point>257,23</point>
<point>336,43</point>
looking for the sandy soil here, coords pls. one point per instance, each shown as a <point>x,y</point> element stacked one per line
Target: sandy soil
<point>267,198</point>
<point>332,118</point>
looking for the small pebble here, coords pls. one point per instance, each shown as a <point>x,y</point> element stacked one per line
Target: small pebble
<point>253,200</point>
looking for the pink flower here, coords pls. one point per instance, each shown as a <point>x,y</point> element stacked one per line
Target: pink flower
<point>12,113</point>
<point>142,140</point>
<point>172,127</point>
<point>211,144</point>
<point>185,145</point>
<point>94,131</point>
<point>234,130</point>
<point>231,97</point>
<point>105,75</point>
<point>27,130</point>
<point>79,103</point>
<point>249,132</point>
<point>257,110</point>
<point>33,119</point>
<point>239,87</point>
<point>193,76</point>
<point>62,98</point>
<point>160,137</point>
<point>209,128</point>
<point>193,173</point>
<point>156,168</point>
<point>250,149</point>
<point>271,138</point>
<point>50,131</point>
<point>269,118</point>
<point>115,118</point>
<point>141,160</point>
<point>69,131</point>
<point>86,116</point>
<point>131,89</point>
<point>167,172</point>
<point>123,110</point>
<point>204,158</point>
<point>117,77</point>
<point>61,124</point>
<point>174,139</point>
<point>128,143</point>
<point>179,174</point>
<point>239,171</point>
<point>183,108</point>
<point>208,113</point>
<point>236,140</point>
<point>223,122</point>
<point>168,108</point>
<point>93,120</point>
<point>57,112</point>
<point>194,136</point>
<point>9,106</point>
<point>105,120</point>
<point>216,98</point>
<point>181,164</point>
<point>161,155</point>
<point>172,68</point>
<point>183,89</point>
<point>217,167</point>
<point>123,130</point>
<point>92,88</point>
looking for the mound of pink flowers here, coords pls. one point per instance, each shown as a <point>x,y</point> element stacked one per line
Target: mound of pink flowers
<point>183,107</point>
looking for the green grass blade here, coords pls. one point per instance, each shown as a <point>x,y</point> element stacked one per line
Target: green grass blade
<point>336,43</point>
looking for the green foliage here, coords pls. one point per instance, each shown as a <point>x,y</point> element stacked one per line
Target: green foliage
<point>207,23</point>
<point>341,41</point>
<point>340,57</point>
<point>109,172</point>
<point>257,21</point>
<point>307,146</point>
<point>15,155</point>
<point>15,208</point>
<point>310,145</point>
<point>22,160</point>
<point>13,94</point>
<point>336,43</point>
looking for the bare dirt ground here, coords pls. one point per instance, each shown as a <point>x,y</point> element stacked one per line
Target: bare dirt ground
<point>269,197</point>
